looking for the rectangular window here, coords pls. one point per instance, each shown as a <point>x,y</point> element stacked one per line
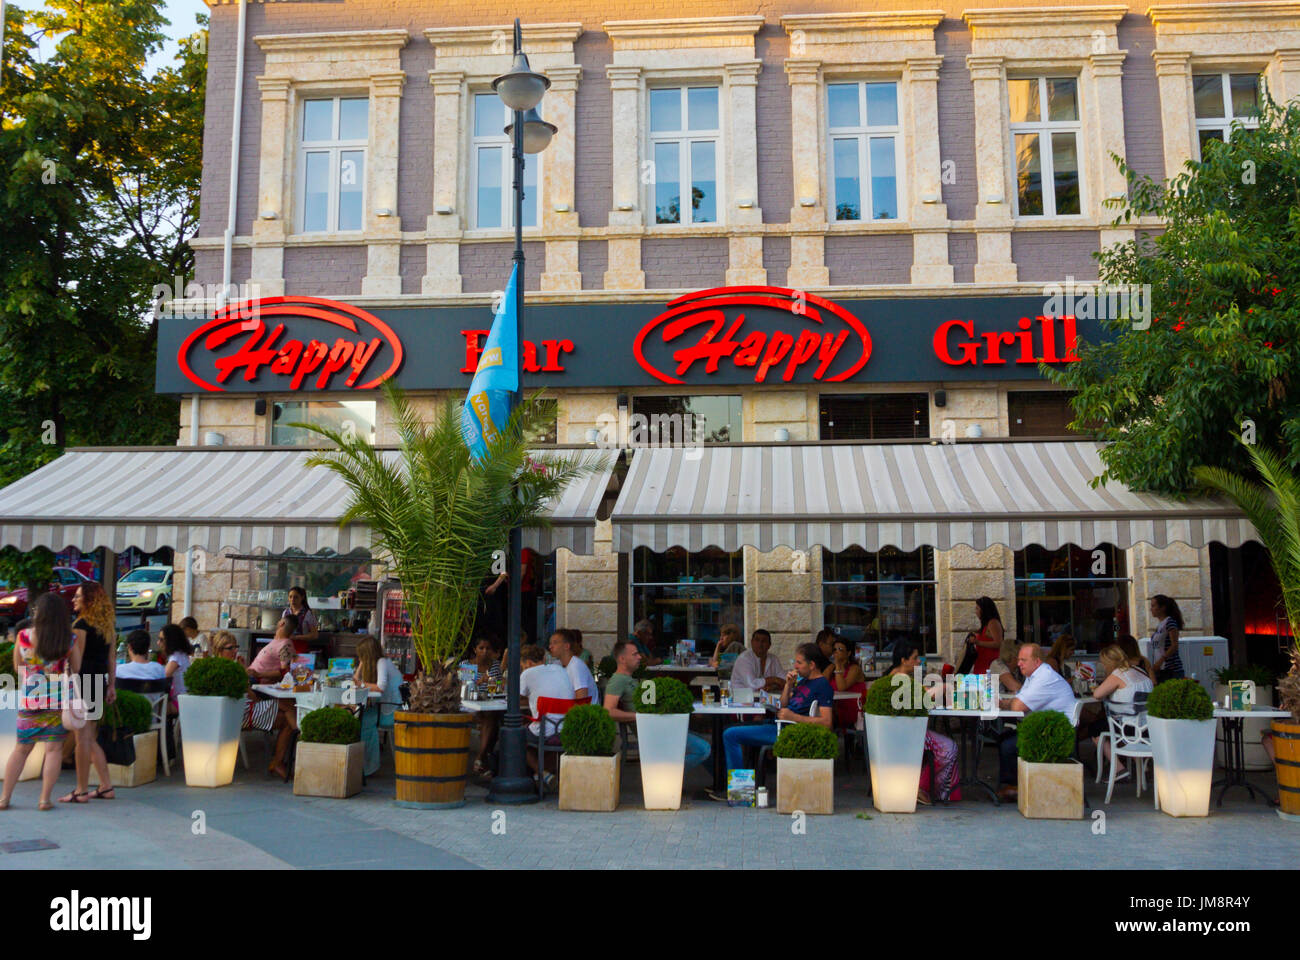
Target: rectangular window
<point>882,416</point>
<point>1045,131</point>
<point>346,416</point>
<point>863,123</point>
<point>678,420</point>
<point>880,597</point>
<point>685,132</point>
<point>332,165</point>
<point>1085,590</point>
<point>1219,100</point>
<point>1040,413</point>
<point>492,169</point>
<point>688,596</point>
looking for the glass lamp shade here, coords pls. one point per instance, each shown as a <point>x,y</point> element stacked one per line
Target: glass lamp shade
<point>521,88</point>
<point>537,132</point>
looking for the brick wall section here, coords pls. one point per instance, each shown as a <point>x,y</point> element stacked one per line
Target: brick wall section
<point>324,271</point>
<point>593,261</point>
<point>1052,255</point>
<point>485,267</point>
<point>962,254</point>
<point>1143,132</point>
<point>956,118</point>
<point>414,259</point>
<point>776,259</point>
<point>593,189</point>
<point>772,104</point>
<point>691,262</point>
<point>207,266</point>
<point>415,139</point>
<point>861,260</point>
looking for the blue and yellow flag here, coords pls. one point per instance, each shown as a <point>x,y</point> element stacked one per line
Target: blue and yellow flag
<point>487,405</point>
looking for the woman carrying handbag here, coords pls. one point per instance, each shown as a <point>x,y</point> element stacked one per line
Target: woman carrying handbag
<point>96,627</point>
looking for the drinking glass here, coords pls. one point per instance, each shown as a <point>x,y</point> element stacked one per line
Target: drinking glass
<point>725,686</point>
<point>708,696</point>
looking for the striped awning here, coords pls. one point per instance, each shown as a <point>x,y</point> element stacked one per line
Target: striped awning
<point>240,499</point>
<point>900,495</point>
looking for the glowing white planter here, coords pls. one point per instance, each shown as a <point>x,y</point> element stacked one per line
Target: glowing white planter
<point>661,742</point>
<point>9,740</point>
<point>895,746</point>
<point>209,738</point>
<point>1183,751</point>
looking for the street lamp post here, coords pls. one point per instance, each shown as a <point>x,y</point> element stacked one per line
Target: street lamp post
<point>521,90</point>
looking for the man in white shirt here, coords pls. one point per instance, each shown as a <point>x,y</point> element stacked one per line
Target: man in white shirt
<point>139,666</point>
<point>561,646</point>
<point>756,666</point>
<point>540,679</point>
<point>1043,689</point>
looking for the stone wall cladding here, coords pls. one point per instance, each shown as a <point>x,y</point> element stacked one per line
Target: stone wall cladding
<point>485,267</point>
<point>864,260</point>
<point>689,262</point>
<point>1052,255</point>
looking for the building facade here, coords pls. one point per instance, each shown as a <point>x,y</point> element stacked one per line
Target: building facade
<point>917,165</point>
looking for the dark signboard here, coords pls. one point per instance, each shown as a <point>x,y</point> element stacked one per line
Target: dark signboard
<point>725,337</point>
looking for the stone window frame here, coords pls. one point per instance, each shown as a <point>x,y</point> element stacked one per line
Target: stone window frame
<point>898,133</point>
<point>302,148</point>
<point>472,144</point>
<point>307,66</point>
<point>1044,130</point>
<point>1238,37</point>
<point>649,180</point>
<point>1225,123</point>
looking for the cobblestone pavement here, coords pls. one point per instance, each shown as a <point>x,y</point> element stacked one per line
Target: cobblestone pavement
<point>259,823</point>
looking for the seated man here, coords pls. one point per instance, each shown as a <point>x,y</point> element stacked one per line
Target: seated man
<point>537,678</point>
<point>756,668</point>
<point>1043,689</point>
<point>644,636</point>
<point>804,686</point>
<point>620,699</point>
<point>139,666</point>
<point>561,646</point>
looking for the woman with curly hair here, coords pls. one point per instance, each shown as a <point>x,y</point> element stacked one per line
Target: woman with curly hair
<point>97,622</point>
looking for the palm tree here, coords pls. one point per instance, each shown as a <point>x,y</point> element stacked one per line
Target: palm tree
<point>437,515</point>
<point>1273,507</point>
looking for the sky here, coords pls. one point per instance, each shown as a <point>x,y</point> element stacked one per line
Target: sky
<point>179,12</point>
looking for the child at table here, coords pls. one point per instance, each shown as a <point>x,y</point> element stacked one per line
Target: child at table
<point>907,658</point>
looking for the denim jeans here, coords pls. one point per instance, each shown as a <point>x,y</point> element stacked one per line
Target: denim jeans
<point>735,739</point>
<point>1008,751</point>
<point>697,750</point>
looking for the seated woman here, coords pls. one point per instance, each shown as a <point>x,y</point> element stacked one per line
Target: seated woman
<point>1124,678</point>
<point>177,650</point>
<point>1062,650</point>
<point>260,713</point>
<point>376,672</point>
<point>907,658</point>
<point>270,664</point>
<point>845,675</point>
<point>487,658</point>
<point>729,641</point>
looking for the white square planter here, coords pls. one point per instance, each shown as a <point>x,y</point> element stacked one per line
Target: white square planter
<point>1183,751</point>
<point>1050,791</point>
<point>9,741</point>
<point>895,746</point>
<point>661,740</point>
<point>328,769</point>
<point>807,785</point>
<point>209,738</point>
<point>590,783</point>
<point>145,768</point>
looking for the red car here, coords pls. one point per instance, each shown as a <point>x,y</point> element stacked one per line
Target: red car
<point>13,605</point>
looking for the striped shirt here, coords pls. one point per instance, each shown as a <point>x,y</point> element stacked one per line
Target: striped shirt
<point>1160,641</point>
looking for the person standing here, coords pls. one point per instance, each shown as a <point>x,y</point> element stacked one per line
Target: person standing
<point>1165,660</point>
<point>43,657</point>
<point>307,629</point>
<point>97,622</point>
<point>988,642</point>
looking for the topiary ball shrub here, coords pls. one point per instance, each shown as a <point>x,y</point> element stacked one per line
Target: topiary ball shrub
<point>1045,736</point>
<point>896,696</point>
<point>129,711</point>
<point>806,741</point>
<point>588,731</point>
<point>216,677</point>
<point>331,725</point>
<point>663,695</point>
<point>1180,700</point>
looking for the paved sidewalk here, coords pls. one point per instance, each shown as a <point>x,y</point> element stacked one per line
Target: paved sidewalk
<point>259,823</point>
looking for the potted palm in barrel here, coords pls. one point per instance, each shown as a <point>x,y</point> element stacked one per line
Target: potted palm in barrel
<point>437,515</point>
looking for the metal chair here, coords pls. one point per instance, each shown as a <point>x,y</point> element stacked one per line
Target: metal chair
<point>545,707</point>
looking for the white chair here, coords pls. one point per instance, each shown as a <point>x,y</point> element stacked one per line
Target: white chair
<point>1130,737</point>
<point>158,722</point>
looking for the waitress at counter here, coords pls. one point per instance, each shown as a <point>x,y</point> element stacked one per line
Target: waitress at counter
<point>308,629</point>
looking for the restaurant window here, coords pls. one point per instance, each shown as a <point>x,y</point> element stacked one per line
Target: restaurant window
<point>688,596</point>
<point>881,416</point>
<point>492,169</point>
<point>862,119</point>
<point>1045,133</point>
<point>677,420</point>
<point>880,597</point>
<point>332,164</point>
<point>1218,100</point>
<point>1040,413</point>
<point>1084,589</point>
<point>685,139</point>
<point>346,416</point>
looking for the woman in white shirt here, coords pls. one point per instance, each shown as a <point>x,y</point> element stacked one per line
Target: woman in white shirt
<point>177,649</point>
<point>1124,679</point>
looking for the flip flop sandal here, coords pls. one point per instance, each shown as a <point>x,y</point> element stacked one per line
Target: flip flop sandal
<point>102,794</point>
<point>74,797</point>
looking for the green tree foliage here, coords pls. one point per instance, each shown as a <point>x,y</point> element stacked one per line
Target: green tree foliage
<point>1224,277</point>
<point>100,164</point>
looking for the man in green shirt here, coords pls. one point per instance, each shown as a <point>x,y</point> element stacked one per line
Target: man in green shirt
<point>622,690</point>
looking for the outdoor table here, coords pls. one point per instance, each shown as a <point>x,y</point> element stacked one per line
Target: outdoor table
<point>969,746</point>
<point>684,672</point>
<point>1234,749</point>
<point>494,705</point>
<point>717,712</point>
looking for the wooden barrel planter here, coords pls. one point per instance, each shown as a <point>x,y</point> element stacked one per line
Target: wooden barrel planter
<point>432,756</point>
<point>1286,753</point>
